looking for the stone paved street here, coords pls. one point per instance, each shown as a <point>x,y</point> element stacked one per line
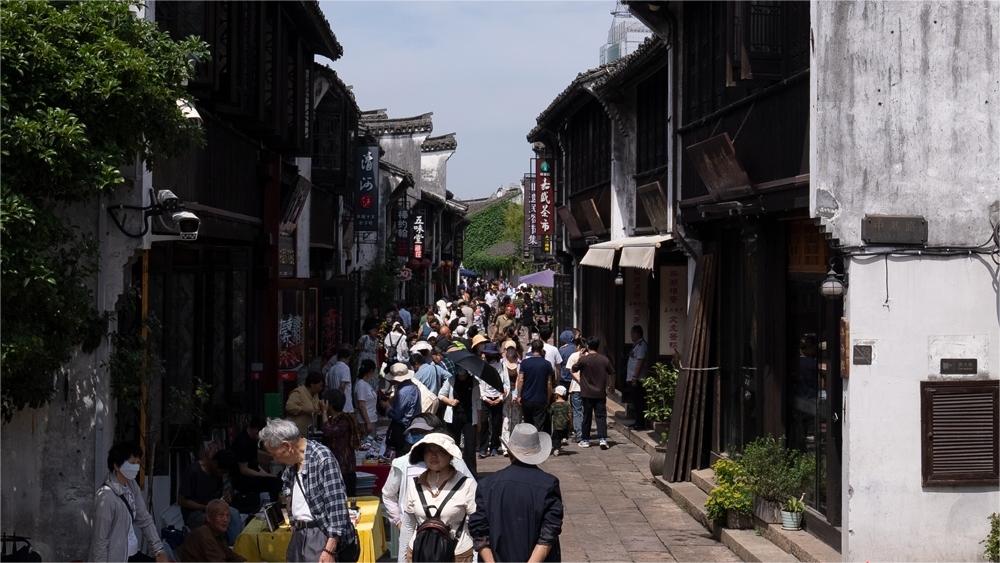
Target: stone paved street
<point>615,513</point>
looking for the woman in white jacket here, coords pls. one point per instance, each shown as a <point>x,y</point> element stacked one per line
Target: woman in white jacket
<point>401,477</point>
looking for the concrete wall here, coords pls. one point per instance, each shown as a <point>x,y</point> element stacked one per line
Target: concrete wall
<point>905,102</point>
<point>937,302</point>
<point>904,121</point>
<point>404,151</point>
<point>53,458</point>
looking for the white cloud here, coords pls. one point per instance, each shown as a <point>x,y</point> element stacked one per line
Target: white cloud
<point>486,69</point>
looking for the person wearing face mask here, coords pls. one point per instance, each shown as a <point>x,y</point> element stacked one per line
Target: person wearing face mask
<point>401,477</point>
<point>120,513</point>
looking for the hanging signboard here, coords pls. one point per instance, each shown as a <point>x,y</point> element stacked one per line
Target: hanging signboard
<point>417,233</point>
<point>636,299</point>
<point>545,203</point>
<point>286,255</point>
<point>366,204</point>
<point>459,249</point>
<point>532,238</point>
<point>402,229</point>
<point>673,308</point>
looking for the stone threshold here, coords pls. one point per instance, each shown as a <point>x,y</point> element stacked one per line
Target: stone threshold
<point>768,542</point>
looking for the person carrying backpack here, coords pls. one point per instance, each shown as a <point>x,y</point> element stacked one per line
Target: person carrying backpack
<point>438,503</point>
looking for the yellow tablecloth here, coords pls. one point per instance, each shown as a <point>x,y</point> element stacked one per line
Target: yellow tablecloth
<point>255,543</point>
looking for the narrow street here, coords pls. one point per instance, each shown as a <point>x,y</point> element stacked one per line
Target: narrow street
<point>613,512</point>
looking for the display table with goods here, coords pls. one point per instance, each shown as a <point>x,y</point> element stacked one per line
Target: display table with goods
<point>257,543</point>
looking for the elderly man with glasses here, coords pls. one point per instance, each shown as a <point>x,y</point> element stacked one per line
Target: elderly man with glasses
<point>315,495</point>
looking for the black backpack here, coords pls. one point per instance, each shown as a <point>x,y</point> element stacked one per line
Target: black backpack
<point>432,541</point>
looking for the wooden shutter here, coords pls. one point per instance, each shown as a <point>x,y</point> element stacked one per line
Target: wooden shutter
<point>959,440</point>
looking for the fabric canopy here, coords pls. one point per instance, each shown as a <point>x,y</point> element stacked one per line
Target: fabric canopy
<point>599,257</point>
<point>544,278</point>
<point>637,252</point>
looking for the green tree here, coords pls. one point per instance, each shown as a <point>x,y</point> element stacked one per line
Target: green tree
<point>502,222</point>
<point>85,88</point>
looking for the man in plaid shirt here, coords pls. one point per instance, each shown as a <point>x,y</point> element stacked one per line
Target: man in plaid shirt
<point>314,490</point>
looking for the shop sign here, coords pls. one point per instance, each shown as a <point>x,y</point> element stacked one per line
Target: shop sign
<point>532,239</point>
<point>636,299</point>
<point>286,255</point>
<point>545,204</point>
<point>366,205</point>
<point>673,308</point>
<point>402,230</point>
<point>459,249</point>
<point>417,234</point>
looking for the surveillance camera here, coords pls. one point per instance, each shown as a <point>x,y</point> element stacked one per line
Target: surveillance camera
<point>167,200</point>
<point>187,224</point>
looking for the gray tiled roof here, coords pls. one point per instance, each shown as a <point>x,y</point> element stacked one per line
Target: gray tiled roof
<point>596,78</point>
<point>440,143</point>
<point>377,122</point>
<point>502,249</point>
<point>333,76</point>
<point>481,204</point>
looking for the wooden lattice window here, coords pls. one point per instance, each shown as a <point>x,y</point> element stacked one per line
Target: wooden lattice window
<point>960,428</point>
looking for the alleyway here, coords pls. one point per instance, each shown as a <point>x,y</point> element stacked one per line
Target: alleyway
<point>614,512</point>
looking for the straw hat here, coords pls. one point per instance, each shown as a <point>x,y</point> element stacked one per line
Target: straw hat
<point>399,373</point>
<point>479,339</point>
<point>507,344</point>
<point>440,439</point>
<point>527,444</point>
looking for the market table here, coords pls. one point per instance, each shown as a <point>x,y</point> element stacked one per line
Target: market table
<point>256,543</point>
<point>381,473</point>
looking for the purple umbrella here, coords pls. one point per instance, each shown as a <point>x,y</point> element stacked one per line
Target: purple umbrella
<point>545,278</point>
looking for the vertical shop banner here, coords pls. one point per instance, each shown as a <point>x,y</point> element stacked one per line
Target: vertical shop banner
<point>459,249</point>
<point>417,233</point>
<point>366,205</point>
<point>636,299</point>
<point>673,308</point>
<point>545,204</point>
<point>532,239</point>
<point>286,255</point>
<point>402,230</point>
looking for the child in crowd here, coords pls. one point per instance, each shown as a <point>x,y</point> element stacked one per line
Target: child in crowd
<point>559,415</point>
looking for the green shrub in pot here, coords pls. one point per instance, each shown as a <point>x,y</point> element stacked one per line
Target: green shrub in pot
<point>660,384</point>
<point>774,472</point>
<point>732,493</point>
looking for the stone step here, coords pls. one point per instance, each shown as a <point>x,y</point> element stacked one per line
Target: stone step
<point>803,545</point>
<point>704,479</point>
<point>689,497</point>
<point>749,545</point>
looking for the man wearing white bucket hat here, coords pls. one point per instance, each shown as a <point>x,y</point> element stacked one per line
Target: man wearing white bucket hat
<point>523,489</point>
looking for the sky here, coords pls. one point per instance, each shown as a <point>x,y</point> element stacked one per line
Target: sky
<point>485,69</point>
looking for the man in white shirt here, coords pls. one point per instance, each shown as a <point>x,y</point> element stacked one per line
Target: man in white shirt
<point>551,353</point>
<point>339,377</point>
<point>633,377</point>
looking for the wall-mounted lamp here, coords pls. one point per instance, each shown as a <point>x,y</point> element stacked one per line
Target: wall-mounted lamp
<point>619,280</point>
<point>165,203</point>
<point>832,286</point>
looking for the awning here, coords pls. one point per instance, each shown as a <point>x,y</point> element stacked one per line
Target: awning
<point>637,252</point>
<point>599,257</point>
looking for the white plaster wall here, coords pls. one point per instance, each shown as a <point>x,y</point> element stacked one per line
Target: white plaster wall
<point>905,115</point>
<point>434,171</point>
<point>404,151</point>
<point>888,515</point>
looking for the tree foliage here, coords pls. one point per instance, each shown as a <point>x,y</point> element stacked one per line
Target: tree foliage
<point>498,223</point>
<point>85,88</point>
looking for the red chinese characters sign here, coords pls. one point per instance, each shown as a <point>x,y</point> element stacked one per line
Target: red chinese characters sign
<point>544,204</point>
<point>673,308</point>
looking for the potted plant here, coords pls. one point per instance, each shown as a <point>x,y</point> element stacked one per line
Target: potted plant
<point>730,503</point>
<point>791,513</point>
<point>660,384</point>
<point>992,541</point>
<point>775,473</point>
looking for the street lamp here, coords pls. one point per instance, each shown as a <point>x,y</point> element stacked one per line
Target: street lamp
<point>832,287</point>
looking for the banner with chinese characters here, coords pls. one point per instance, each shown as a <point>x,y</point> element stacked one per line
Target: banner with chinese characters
<point>636,299</point>
<point>545,203</point>
<point>366,205</point>
<point>531,238</point>
<point>417,233</point>
<point>402,229</point>
<point>673,308</point>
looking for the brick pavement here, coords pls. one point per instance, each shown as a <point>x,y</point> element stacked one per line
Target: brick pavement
<point>613,512</point>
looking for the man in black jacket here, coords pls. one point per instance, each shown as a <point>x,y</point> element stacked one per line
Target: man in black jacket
<point>523,489</point>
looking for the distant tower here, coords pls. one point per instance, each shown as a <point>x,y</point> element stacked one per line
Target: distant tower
<point>625,35</point>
